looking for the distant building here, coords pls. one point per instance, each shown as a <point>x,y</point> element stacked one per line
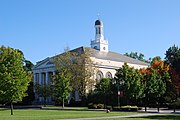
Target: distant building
<point>107,61</point>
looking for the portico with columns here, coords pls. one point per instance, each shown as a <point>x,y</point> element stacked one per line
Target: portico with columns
<point>43,74</point>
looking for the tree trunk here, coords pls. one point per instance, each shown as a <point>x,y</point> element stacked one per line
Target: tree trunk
<point>104,100</point>
<point>146,101</point>
<point>145,108</point>
<point>44,101</point>
<point>158,106</point>
<point>11,108</point>
<point>145,105</point>
<point>63,102</point>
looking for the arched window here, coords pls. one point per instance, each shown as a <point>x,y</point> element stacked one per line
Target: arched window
<point>99,30</point>
<point>99,75</point>
<point>95,47</point>
<point>96,30</point>
<point>108,75</point>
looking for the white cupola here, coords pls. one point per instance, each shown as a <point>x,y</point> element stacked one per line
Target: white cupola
<point>99,43</point>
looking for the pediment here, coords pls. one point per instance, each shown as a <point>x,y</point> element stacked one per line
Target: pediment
<point>43,64</point>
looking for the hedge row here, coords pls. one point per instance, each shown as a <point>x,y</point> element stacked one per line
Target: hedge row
<point>114,108</point>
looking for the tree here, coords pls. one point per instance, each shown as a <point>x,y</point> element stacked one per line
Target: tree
<point>62,88</point>
<point>154,86</point>
<point>28,65</point>
<point>173,59</point>
<point>30,91</point>
<point>136,56</point>
<point>130,81</point>
<point>14,80</point>
<point>104,89</point>
<point>157,58</point>
<point>79,67</point>
<point>30,94</point>
<point>156,78</point>
<point>43,90</point>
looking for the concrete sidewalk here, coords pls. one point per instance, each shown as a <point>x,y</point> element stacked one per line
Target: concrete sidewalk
<point>161,110</point>
<point>109,117</point>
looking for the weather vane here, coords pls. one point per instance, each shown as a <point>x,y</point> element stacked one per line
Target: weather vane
<point>98,16</point>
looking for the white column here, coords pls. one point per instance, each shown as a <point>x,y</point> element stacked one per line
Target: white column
<point>54,73</point>
<point>40,78</point>
<point>47,78</point>
<point>34,76</point>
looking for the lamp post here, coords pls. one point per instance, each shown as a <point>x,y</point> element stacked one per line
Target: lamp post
<point>118,91</point>
<point>174,106</point>
<point>118,96</point>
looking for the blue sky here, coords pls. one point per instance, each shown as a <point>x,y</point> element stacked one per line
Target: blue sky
<point>43,28</point>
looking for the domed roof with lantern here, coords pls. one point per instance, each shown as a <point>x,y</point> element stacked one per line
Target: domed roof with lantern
<point>98,22</point>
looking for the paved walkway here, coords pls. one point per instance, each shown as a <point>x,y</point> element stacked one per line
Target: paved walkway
<point>108,117</point>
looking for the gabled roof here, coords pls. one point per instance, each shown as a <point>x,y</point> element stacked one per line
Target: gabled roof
<point>113,56</point>
<point>39,63</point>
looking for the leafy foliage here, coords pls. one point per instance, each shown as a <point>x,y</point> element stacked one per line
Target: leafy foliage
<point>78,66</point>
<point>30,91</point>
<point>13,78</point>
<point>173,59</point>
<point>61,88</point>
<point>137,56</point>
<point>43,90</point>
<point>103,88</point>
<point>156,81</point>
<point>157,58</point>
<point>129,80</point>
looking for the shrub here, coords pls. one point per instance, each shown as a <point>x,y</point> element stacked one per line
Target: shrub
<point>92,106</point>
<point>126,108</point>
<point>174,104</point>
<point>95,106</point>
<point>109,107</point>
<point>100,106</point>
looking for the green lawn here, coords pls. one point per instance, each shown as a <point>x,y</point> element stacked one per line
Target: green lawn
<point>30,114</point>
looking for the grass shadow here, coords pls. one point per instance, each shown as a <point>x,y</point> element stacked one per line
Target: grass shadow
<point>3,109</point>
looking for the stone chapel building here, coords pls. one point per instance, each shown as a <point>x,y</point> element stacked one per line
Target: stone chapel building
<point>107,61</point>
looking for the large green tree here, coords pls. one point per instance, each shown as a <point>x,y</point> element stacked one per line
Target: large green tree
<point>103,89</point>
<point>79,67</point>
<point>155,87</point>
<point>173,59</point>
<point>13,78</point>
<point>129,80</point>
<point>61,88</point>
<point>156,82</point>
